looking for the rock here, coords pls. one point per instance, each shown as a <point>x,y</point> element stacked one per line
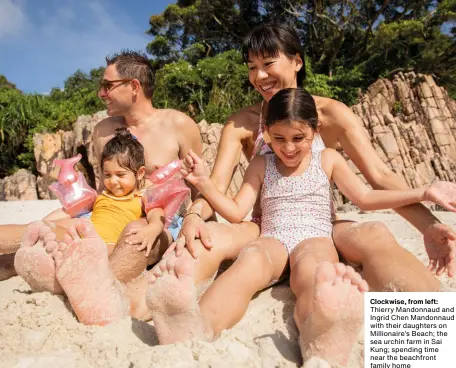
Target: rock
<point>416,138</point>
<point>19,187</point>
<point>210,135</point>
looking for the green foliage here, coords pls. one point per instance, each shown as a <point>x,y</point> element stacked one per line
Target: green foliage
<point>212,89</point>
<point>349,44</point>
<point>22,115</point>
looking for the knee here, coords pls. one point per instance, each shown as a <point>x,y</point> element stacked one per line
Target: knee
<point>134,225</point>
<point>302,278</point>
<point>366,236</point>
<point>256,259</point>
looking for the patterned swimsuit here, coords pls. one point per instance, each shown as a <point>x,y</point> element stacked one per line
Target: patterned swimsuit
<point>295,208</point>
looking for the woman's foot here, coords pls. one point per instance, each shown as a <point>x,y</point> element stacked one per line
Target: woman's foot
<point>333,327</point>
<point>171,298</point>
<point>33,260</point>
<point>83,272</point>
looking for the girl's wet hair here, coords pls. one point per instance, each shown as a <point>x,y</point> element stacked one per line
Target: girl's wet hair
<point>292,104</point>
<point>126,150</point>
<point>272,38</point>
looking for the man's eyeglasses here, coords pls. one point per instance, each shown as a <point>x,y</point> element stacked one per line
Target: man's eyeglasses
<point>108,85</point>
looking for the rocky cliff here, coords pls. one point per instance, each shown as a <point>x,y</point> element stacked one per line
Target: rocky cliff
<point>410,121</point>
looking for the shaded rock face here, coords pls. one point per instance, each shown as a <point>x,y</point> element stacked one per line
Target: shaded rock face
<point>210,135</point>
<point>18,187</point>
<point>411,123</point>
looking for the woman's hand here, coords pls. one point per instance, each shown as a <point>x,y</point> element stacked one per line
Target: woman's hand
<point>442,193</point>
<point>440,243</point>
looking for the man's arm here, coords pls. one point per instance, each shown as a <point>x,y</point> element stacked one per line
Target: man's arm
<point>359,149</point>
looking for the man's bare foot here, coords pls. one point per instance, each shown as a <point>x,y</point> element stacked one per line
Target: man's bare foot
<point>7,269</point>
<point>84,273</point>
<point>171,298</point>
<point>333,327</point>
<point>33,260</point>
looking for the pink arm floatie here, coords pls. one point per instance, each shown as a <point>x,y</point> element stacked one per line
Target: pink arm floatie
<point>167,192</point>
<point>76,196</point>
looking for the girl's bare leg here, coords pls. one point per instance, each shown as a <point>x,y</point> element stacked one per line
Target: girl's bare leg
<point>329,303</point>
<point>228,240</point>
<point>172,297</point>
<point>386,265</point>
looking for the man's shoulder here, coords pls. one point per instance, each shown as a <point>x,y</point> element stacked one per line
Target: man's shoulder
<point>175,118</point>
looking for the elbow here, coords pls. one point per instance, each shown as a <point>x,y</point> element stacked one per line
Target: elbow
<point>234,219</point>
<point>362,203</point>
<point>380,178</point>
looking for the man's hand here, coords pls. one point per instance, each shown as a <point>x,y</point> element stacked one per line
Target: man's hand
<point>144,236</point>
<point>440,243</point>
<point>193,228</point>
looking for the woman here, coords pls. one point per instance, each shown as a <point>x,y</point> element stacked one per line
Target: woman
<point>275,60</point>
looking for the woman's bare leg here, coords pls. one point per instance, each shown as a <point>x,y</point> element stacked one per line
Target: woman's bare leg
<point>329,301</point>
<point>172,296</point>
<point>386,265</point>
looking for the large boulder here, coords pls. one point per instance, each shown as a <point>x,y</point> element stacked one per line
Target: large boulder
<point>18,187</point>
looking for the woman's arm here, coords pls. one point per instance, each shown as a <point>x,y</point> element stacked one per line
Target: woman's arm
<point>226,161</point>
<point>368,199</point>
<point>234,210</point>
<point>357,146</point>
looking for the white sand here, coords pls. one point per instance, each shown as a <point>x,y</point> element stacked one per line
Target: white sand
<point>39,330</point>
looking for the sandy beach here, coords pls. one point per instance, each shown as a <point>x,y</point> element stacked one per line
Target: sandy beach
<point>39,330</point>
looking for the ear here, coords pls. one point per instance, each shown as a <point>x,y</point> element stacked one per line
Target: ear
<point>135,86</point>
<point>141,173</point>
<point>318,127</point>
<point>299,62</point>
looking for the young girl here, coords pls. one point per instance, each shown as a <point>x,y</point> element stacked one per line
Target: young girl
<point>123,166</point>
<point>293,184</point>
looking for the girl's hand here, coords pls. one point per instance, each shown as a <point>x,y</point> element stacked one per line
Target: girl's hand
<point>194,170</point>
<point>442,193</point>
<point>144,237</point>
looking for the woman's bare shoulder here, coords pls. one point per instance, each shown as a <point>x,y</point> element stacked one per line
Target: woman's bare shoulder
<point>329,107</point>
<point>246,117</point>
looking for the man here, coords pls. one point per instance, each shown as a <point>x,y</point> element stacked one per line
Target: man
<point>102,288</point>
<point>166,134</point>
